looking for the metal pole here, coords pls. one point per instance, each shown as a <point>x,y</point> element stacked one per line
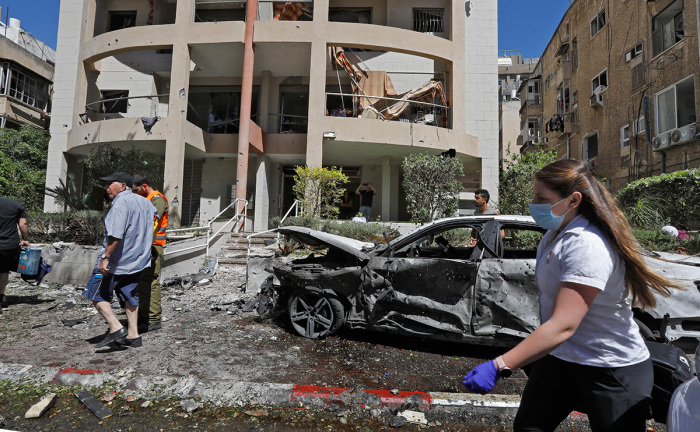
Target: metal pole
<point>246,100</point>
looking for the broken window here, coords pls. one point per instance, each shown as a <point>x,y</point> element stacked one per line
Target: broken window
<point>574,108</point>
<point>598,23</point>
<point>520,242</point>
<point>675,106</point>
<point>590,147</point>
<point>121,20</point>
<point>294,110</point>
<point>24,87</point>
<point>668,28</point>
<point>428,20</point>
<point>350,15</point>
<point>219,14</point>
<point>601,80</point>
<point>217,111</point>
<point>563,100</point>
<point>115,101</point>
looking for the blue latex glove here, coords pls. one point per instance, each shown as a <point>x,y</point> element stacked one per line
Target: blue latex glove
<point>482,378</point>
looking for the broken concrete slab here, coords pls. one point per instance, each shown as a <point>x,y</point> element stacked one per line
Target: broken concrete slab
<point>45,404</point>
<point>416,417</point>
<point>189,405</point>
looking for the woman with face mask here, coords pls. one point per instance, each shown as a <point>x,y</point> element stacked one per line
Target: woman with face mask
<point>587,355</point>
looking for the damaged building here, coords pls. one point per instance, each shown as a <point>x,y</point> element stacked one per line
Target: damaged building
<point>235,94</point>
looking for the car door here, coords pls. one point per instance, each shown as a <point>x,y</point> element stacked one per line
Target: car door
<point>506,299</point>
<point>425,295</point>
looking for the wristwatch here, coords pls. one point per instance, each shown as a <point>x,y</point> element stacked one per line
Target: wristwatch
<point>503,370</point>
<point>104,256</point>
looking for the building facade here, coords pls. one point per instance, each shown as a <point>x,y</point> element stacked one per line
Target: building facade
<point>512,71</point>
<point>26,77</point>
<point>183,65</point>
<point>619,88</point>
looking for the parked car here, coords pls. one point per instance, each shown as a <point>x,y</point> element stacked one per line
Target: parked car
<point>683,412</point>
<point>466,279</point>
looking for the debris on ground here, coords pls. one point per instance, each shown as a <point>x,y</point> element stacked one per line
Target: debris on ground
<point>189,406</point>
<point>414,417</point>
<point>38,409</point>
<point>93,404</point>
<point>397,422</point>
<point>257,413</point>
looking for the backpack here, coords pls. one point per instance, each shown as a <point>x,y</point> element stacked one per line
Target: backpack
<point>671,369</point>
<point>35,279</point>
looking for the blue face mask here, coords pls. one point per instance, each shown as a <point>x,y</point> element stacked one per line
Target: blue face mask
<point>542,214</point>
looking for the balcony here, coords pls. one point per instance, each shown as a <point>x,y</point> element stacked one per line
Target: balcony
<point>531,106</point>
<point>110,15</point>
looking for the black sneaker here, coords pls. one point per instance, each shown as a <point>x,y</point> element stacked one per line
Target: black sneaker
<point>131,343</point>
<point>149,327</point>
<point>112,337</point>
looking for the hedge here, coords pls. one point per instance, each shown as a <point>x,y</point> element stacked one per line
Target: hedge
<point>678,194</point>
<point>82,227</point>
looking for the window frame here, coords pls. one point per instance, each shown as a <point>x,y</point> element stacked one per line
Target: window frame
<point>659,22</point>
<point>130,13</point>
<point>597,77</point>
<point>597,20</point>
<point>585,154</point>
<point>673,88</point>
<point>625,141</point>
<point>428,25</point>
<point>574,54</point>
<point>637,122</point>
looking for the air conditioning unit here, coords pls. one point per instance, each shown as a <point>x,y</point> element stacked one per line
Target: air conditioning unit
<point>660,142</point>
<point>597,100</point>
<point>681,135</point>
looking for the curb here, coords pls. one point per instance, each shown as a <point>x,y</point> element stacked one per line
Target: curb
<point>244,393</point>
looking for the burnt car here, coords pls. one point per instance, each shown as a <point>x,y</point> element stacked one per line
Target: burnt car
<point>465,279</point>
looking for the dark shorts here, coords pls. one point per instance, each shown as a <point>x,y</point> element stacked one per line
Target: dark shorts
<point>102,288</point>
<point>9,259</point>
<point>615,399</point>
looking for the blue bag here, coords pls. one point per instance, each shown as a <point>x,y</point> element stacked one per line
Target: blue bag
<point>29,261</point>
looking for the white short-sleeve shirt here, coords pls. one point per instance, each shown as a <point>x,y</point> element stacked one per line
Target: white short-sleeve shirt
<point>582,254</point>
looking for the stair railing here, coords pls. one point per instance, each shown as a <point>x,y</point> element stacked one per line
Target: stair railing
<point>240,213</point>
<point>298,208</point>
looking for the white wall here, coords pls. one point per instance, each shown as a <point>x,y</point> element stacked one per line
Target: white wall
<point>217,175</point>
<point>481,54</point>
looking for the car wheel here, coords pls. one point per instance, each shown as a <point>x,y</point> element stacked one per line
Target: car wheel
<point>315,315</point>
<point>645,331</point>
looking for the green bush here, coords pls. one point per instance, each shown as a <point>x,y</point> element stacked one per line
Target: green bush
<point>81,227</point>
<point>656,240</point>
<point>302,221</point>
<point>676,193</point>
<point>431,186</point>
<point>361,231</point>
<point>515,180</point>
<point>23,155</point>
<point>274,222</point>
<point>692,245</point>
<point>319,189</point>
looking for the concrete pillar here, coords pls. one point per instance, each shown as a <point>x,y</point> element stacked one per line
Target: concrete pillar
<point>387,193</point>
<point>317,87</point>
<point>262,194</point>
<point>265,88</point>
<point>177,115</point>
<point>395,182</point>
<point>457,69</point>
<point>75,26</point>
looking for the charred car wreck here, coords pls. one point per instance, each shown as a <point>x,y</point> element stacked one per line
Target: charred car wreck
<point>465,279</point>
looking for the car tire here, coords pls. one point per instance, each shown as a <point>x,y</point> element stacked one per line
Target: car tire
<point>645,331</point>
<point>315,315</point>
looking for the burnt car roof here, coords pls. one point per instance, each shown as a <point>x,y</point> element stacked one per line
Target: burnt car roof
<point>319,238</point>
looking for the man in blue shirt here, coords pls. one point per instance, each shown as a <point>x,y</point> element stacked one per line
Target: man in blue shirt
<point>126,252</point>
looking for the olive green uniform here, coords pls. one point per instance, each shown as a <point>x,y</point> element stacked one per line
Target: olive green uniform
<point>149,287</point>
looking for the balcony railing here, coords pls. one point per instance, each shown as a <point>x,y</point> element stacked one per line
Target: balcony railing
<point>110,108</point>
<point>424,112</point>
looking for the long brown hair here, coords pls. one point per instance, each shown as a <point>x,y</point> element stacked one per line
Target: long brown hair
<point>567,176</point>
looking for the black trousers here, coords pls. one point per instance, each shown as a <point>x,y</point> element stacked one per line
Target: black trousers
<point>615,399</point>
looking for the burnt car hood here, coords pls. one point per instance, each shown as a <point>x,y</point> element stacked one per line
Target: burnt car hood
<point>311,237</point>
<point>685,270</point>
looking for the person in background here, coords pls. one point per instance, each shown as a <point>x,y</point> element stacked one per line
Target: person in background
<point>346,205</point>
<point>481,201</point>
<point>150,311</point>
<point>367,192</point>
<point>126,253</point>
<point>587,354</point>
<point>12,216</point>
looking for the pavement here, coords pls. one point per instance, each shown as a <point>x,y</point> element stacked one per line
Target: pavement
<point>213,350</point>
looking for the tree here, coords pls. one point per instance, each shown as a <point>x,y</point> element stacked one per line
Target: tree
<point>515,180</point>
<point>431,186</point>
<point>69,194</point>
<point>106,159</point>
<point>320,190</point>
<point>23,155</point>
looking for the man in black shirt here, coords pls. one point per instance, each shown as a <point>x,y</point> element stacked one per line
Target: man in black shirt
<point>367,192</point>
<point>12,215</point>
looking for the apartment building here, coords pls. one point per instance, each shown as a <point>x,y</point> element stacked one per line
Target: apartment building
<point>512,71</point>
<point>617,87</point>
<point>26,76</point>
<point>294,81</point>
